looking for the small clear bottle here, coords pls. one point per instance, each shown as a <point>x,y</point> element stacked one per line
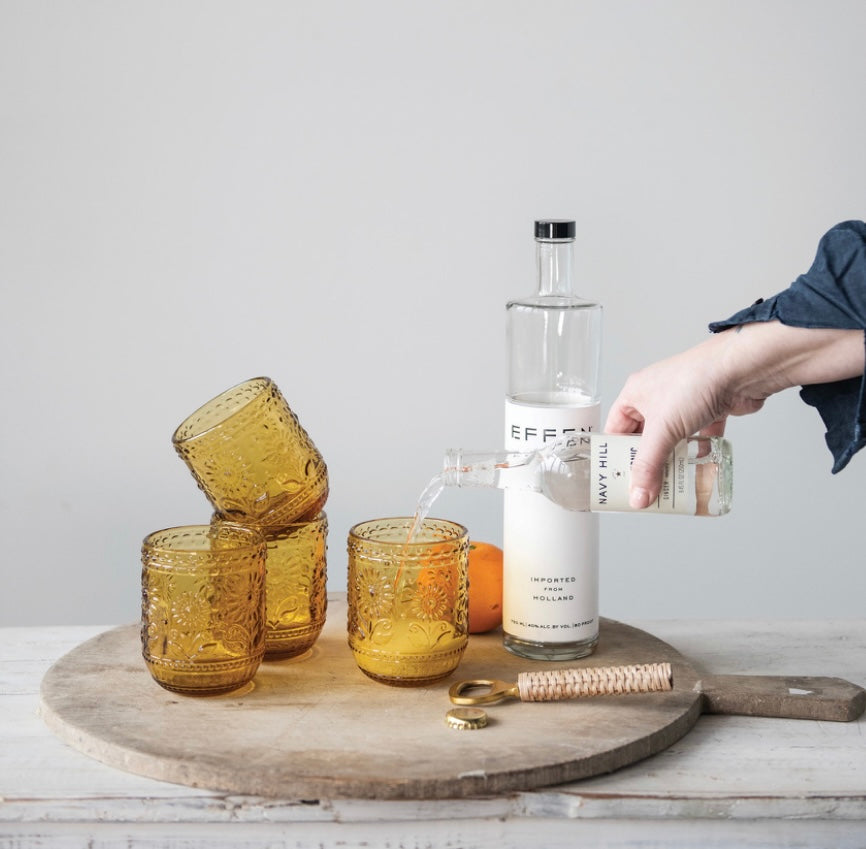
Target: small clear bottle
<point>591,473</point>
<point>553,353</point>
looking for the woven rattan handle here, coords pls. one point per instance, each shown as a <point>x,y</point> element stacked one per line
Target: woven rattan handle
<point>601,681</point>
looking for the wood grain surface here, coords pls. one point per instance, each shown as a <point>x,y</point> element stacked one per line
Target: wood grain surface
<point>317,727</point>
<point>739,781</point>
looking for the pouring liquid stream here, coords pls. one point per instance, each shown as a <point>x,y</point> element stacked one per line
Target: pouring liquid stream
<point>425,502</point>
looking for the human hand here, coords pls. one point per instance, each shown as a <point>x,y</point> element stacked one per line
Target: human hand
<point>667,402</point>
<point>730,374</point>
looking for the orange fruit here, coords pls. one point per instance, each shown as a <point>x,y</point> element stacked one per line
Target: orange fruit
<point>434,570</point>
<point>440,579</point>
<point>485,587</point>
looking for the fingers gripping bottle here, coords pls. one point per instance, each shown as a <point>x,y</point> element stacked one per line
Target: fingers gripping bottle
<point>550,594</point>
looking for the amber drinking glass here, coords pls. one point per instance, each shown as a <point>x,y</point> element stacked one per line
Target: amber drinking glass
<point>296,587</point>
<point>251,457</point>
<point>408,601</point>
<point>203,606</point>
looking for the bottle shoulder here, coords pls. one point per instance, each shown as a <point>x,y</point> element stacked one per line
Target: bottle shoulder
<point>573,399</point>
<point>552,302</point>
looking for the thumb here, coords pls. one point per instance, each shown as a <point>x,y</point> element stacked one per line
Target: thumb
<point>648,467</point>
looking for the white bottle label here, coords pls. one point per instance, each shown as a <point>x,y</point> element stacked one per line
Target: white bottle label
<point>550,588</point>
<point>610,474</point>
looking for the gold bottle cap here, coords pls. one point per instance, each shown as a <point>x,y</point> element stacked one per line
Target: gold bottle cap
<point>466,719</point>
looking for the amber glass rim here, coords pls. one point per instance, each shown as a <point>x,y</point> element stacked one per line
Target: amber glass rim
<point>318,523</point>
<point>210,410</point>
<point>232,519</point>
<point>255,540</point>
<point>356,532</point>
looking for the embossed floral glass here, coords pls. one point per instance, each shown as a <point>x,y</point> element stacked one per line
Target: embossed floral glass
<point>251,457</point>
<point>408,602</point>
<point>296,587</point>
<point>203,606</point>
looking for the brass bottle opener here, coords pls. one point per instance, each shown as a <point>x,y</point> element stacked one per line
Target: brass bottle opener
<point>565,684</point>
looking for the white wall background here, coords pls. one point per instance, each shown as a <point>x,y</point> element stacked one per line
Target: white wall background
<point>340,195</point>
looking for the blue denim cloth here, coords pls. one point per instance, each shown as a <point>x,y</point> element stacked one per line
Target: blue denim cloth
<point>832,293</point>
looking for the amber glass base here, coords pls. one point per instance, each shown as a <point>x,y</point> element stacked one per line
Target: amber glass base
<point>203,679</point>
<point>291,642</point>
<point>407,670</point>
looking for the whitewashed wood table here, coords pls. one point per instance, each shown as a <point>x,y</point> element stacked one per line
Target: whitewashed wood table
<point>730,781</point>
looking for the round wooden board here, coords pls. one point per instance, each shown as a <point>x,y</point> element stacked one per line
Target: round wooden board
<point>316,727</point>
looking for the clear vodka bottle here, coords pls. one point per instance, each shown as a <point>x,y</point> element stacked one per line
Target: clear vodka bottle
<point>550,593</point>
<point>591,473</point>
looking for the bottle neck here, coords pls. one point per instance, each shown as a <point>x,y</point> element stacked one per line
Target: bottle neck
<point>462,468</point>
<point>490,469</point>
<point>555,265</point>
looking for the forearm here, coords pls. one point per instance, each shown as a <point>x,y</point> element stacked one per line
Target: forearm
<point>762,358</point>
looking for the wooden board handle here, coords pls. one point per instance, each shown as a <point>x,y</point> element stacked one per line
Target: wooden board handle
<point>787,697</point>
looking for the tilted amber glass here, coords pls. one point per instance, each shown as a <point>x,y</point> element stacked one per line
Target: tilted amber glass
<point>408,601</point>
<point>296,587</point>
<point>251,457</point>
<point>203,606</point>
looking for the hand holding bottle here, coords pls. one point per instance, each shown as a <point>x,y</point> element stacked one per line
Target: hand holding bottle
<point>731,373</point>
<point>590,472</point>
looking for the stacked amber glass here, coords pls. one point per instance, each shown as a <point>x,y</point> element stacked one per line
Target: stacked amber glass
<point>264,476</point>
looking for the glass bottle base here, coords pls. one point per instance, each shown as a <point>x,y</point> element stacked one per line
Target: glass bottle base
<point>549,651</point>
